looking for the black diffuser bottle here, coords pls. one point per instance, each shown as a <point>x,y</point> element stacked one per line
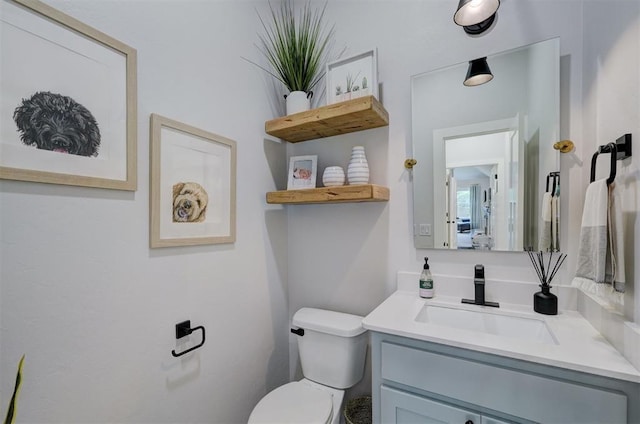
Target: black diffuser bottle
<point>545,302</point>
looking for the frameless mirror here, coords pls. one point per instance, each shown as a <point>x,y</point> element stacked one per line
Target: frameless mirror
<point>485,153</point>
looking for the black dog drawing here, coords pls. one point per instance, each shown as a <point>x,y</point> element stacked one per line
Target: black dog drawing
<point>57,123</point>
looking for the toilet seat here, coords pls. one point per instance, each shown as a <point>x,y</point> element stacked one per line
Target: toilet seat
<point>294,403</point>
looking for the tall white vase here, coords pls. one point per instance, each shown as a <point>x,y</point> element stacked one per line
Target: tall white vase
<point>358,169</point>
<point>298,101</point>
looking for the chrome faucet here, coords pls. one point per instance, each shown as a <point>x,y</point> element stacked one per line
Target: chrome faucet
<point>478,282</point>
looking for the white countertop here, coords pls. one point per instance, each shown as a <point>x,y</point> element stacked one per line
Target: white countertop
<point>580,347</point>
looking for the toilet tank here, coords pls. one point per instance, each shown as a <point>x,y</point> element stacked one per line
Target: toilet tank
<point>333,347</point>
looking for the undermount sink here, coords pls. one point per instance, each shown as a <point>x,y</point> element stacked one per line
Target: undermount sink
<point>488,322</point>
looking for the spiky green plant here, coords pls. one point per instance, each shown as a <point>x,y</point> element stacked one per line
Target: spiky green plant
<point>298,49</point>
<point>11,410</point>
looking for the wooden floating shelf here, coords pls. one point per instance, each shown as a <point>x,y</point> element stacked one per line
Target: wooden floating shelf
<point>337,194</point>
<point>346,117</point>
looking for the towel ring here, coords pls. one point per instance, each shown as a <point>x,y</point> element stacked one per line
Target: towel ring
<point>556,181</point>
<point>607,148</point>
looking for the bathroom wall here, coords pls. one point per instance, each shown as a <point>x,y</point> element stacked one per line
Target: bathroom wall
<point>611,92</point>
<point>83,296</point>
<point>94,308</point>
<point>358,248</point>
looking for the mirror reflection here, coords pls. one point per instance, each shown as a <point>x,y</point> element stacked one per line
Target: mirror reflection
<point>485,152</point>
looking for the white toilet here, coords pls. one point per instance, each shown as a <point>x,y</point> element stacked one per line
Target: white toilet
<point>332,347</point>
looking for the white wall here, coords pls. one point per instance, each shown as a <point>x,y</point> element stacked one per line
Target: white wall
<point>83,296</point>
<point>612,108</point>
<point>94,308</point>
<point>411,37</point>
<point>611,90</point>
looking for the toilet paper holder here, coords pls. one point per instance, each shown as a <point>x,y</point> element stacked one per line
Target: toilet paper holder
<point>184,329</point>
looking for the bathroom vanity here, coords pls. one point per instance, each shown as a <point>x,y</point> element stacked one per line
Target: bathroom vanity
<point>439,360</point>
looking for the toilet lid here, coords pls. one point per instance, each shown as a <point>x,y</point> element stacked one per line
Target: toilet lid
<point>293,403</point>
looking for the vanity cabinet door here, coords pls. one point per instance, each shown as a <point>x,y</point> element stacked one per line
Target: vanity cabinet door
<point>502,389</point>
<point>400,407</point>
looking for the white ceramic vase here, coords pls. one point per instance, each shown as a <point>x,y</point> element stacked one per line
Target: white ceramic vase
<point>333,176</point>
<point>298,101</point>
<point>358,170</point>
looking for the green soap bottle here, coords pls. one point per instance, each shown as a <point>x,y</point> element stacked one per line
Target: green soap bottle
<point>426,281</point>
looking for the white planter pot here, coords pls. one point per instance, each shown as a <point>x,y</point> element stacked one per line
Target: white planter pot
<point>298,101</point>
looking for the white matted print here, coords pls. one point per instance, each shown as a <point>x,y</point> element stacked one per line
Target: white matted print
<point>353,77</point>
<point>193,185</point>
<point>67,100</point>
<point>302,172</point>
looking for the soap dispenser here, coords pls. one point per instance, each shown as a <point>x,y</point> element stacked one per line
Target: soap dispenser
<point>426,281</point>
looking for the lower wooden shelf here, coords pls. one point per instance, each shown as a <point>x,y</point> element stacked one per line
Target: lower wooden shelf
<point>337,194</point>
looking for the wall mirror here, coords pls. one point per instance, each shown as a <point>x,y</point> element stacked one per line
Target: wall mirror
<point>485,153</point>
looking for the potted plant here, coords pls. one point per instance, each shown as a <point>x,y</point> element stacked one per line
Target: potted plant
<point>296,51</point>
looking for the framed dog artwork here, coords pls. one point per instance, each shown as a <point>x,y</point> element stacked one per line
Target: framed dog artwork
<point>68,100</point>
<point>193,185</point>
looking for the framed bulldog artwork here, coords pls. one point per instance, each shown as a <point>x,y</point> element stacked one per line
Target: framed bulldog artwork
<point>193,185</point>
<point>67,100</point>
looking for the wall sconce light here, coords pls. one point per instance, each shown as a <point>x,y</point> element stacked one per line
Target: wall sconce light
<point>476,16</point>
<point>478,72</point>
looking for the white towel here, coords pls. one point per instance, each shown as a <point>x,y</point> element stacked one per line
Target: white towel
<point>555,219</point>
<point>598,266</point>
<point>616,242</point>
<point>545,242</point>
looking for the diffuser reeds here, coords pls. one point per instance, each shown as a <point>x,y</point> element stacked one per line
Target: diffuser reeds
<point>547,271</point>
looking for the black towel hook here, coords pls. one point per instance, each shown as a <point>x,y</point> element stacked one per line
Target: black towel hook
<point>183,329</point>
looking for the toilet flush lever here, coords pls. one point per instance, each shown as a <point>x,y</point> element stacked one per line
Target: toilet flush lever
<point>298,331</point>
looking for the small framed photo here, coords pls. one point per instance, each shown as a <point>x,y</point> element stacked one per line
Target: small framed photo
<point>302,172</point>
<point>193,185</point>
<point>353,77</point>
<point>67,100</point>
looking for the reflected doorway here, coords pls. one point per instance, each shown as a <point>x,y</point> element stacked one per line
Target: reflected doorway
<point>472,203</point>
<point>483,190</point>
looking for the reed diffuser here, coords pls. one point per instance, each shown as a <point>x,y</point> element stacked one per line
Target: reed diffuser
<point>545,302</point>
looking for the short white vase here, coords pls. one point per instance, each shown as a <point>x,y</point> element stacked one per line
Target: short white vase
<point>333,176</point>
<point>358,169</point>
<point>298,101</point>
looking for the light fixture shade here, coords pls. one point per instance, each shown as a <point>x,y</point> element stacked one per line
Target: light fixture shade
<point>478,72</point>
<point>476,16</point>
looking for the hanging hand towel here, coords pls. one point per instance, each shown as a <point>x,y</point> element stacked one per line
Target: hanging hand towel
<point>545,232</point>
<point>595,267</point>
<point>555,220</point>
<point>615,266</point>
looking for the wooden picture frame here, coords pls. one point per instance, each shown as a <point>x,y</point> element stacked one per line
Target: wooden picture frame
<point>65,88</point>
<point>193,185</point>
<point>303,172</point>
<point>352,77</point>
